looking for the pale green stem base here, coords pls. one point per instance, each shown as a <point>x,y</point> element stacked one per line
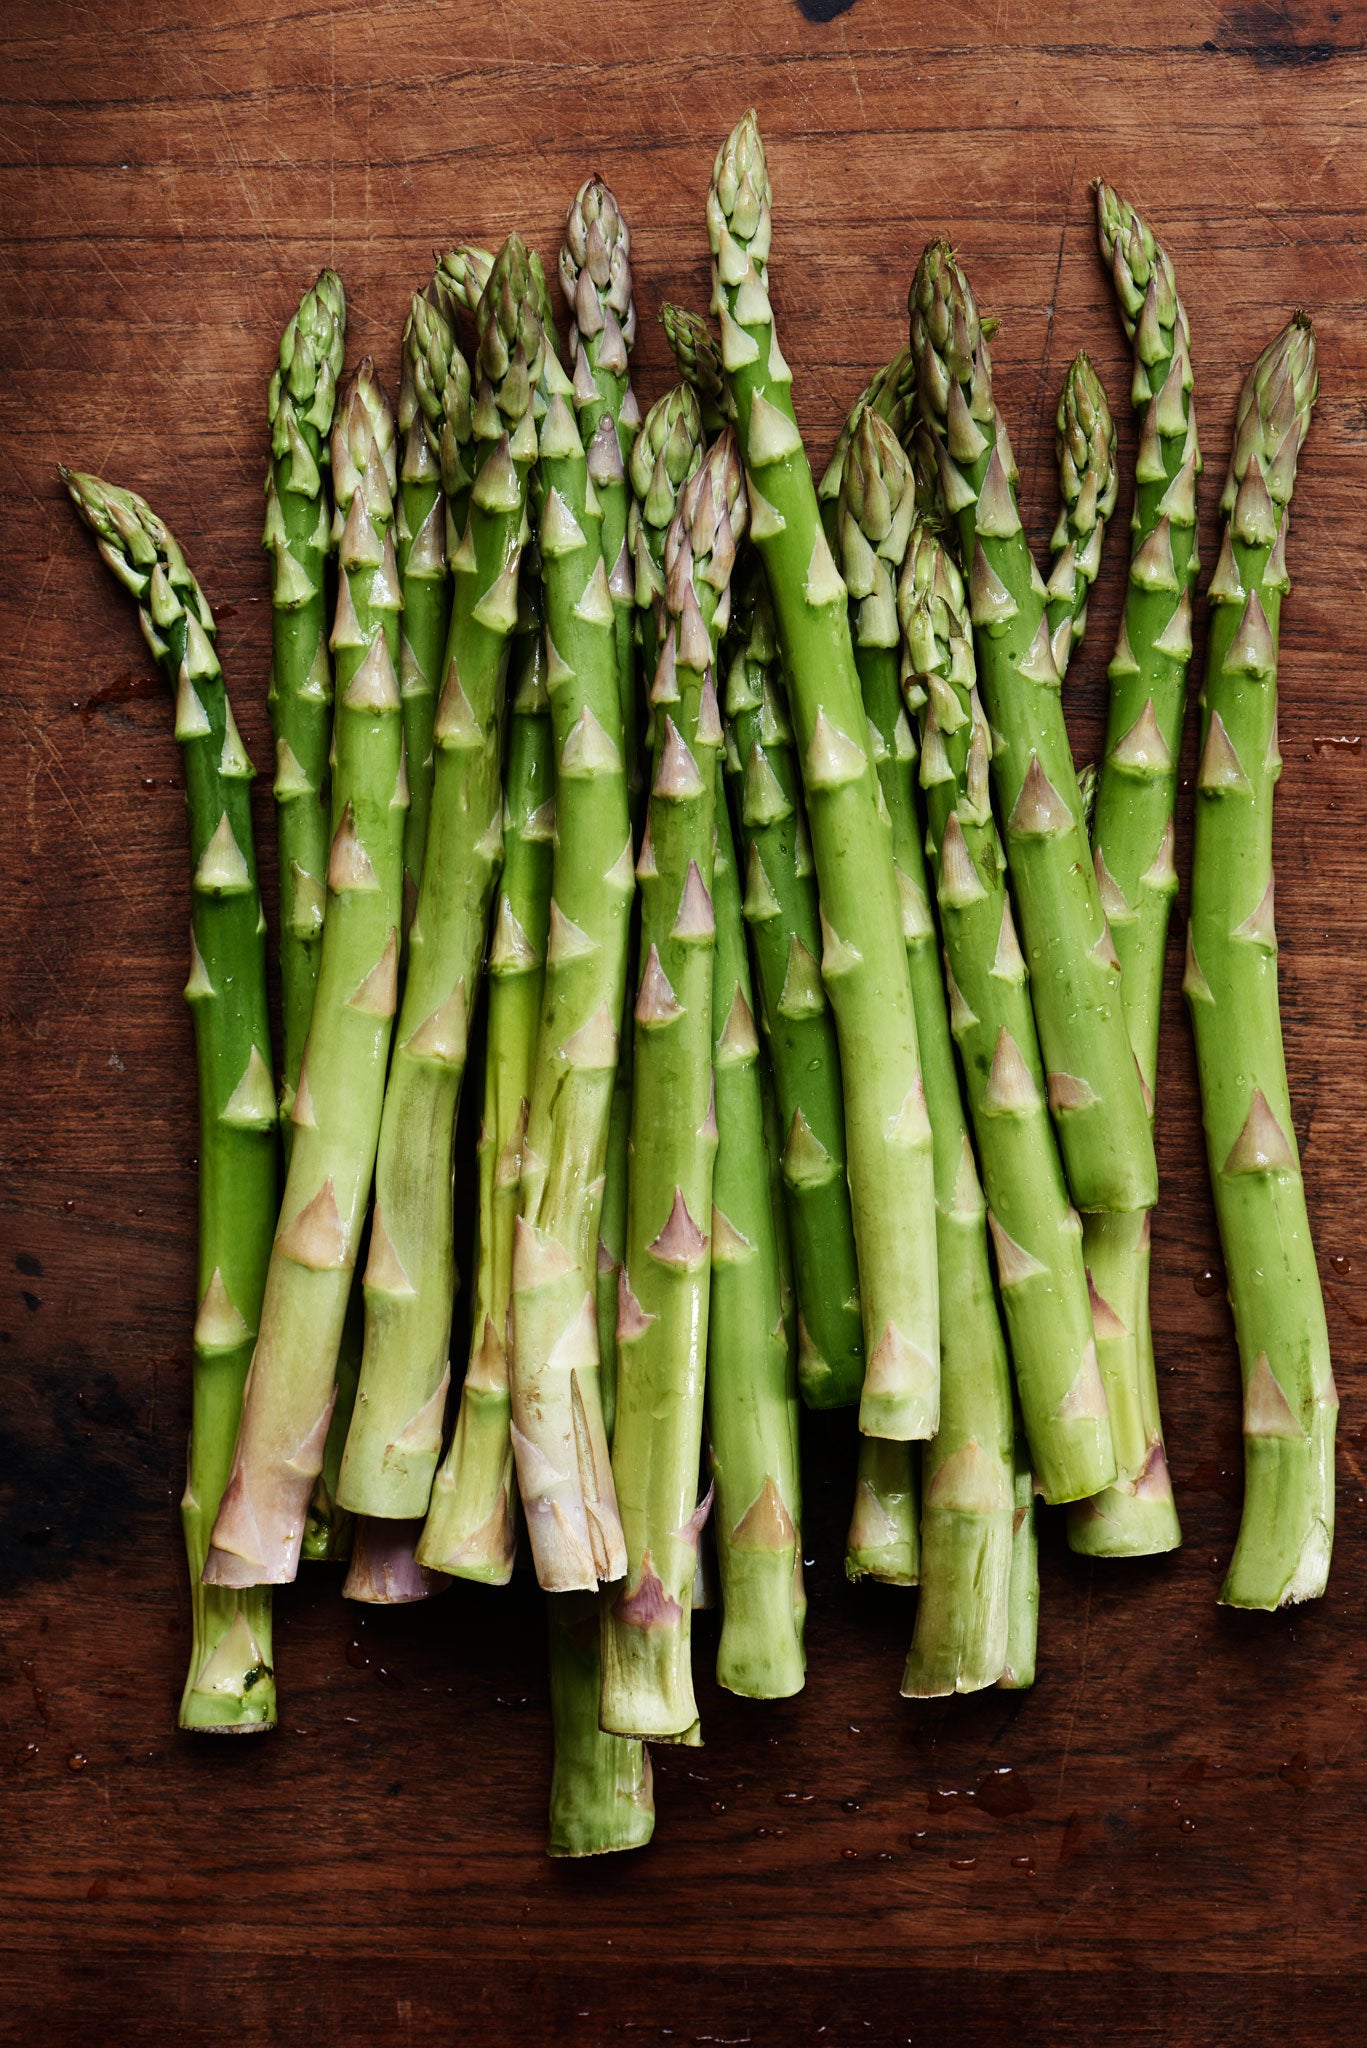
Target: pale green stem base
<point>884,1539</point>
<point>1022,1629</point>
<point>1286,1535</point>
<point>1136,1516</point>
<point>601,1797</point>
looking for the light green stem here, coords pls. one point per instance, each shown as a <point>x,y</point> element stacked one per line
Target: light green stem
<point>1286,1532</point>
<point>863,959</point>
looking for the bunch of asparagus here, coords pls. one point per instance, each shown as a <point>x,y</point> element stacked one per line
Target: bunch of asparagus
<point>820,1033</point>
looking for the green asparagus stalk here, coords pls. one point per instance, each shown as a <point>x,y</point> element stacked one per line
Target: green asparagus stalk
<point>863,957</point>
<point>559,1429</point>
<point>665,455</point>
<point>230,1687</point>
<point>697,359</point>
<point>289,1399</point>
<point>960,1640</point>
<point>601,1797</point>
<point>1095,1091</point>
<point>1133,848</point>
<point>666,451</point>
<point>461,275</point>
<point>595,277</point>
<point>891,393</point>
<point>783,915</point>
<point>1036,1235</point>
<point>1290,1405</point>
<point>471,1527</point>
<point>396,1432</point>
<point>884,1538</point>
<point>436,378</point>
<point>1084,445</point>
<point>1022,1628</point>
<point>328,1528</point>
<point>751,1379</point>
<point>300,404</point>
<point>783,1243</point>
<point>664,1288</point>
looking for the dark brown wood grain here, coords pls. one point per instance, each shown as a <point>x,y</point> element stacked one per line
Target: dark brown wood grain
<point>1164,1841</point>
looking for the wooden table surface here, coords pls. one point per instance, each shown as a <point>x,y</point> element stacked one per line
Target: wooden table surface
<point>1164,1841</point>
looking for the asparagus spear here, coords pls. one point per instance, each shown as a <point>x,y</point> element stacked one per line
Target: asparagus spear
<point>395,1437</point>
<point>751,1377</point>
<point>595,276</point>
<point>300,403</point>
<point>461,275</point>
<point>434,419</point>
<point>891,393</point>
<point>665,455</point>
<point>289,1398</point>
<point>782,911</point>
<point>1290,1406</point>
<point>601,1797</point>
<point>1133,849</point>
<point>884,1538</point>
<point>230,1687</point>
<point>1095,1091</point>
<point>966,1473</point>
<point>863,959</point>
<point>559,1431</point>
<point>698,361</point>
<point>1022,1626</point>
<point>435,426</point>
<point>328,1528</point>
<point>663,1313</point>
<point>1036,1235</point>
<point>384,1569</point>
<point>1085,447</point>
<point>471,1526</point>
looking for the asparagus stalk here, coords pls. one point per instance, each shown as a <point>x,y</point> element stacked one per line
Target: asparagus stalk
<point>434,425</point>
<point>601,1797</point>
<point>863,958</point>
<point>884,1538</point>
<point>396,1432</point>
<point>667,449</point>
<point>471,1526</point>
<point>698,361</point>
<point>783,915</point>
<point>559,1430</point>
<point>1095,1091</point>
<point>1036,1235</point>
<point>300,403</point>
<point>783,1244</point>
<point>891,393</point>
<point>1133,848</point>
<point>1084,445</point>
<point>461,275</point>
<point>434,421</point>
<point>664,1287</point>
<point>751,1378</point>
<point>1290,1405</point>
<point>230,1687</point>
<point>666,453</point>
<point>1022,1627</point>
<point>384,1569</point>
<point>595,277</point>
<point>289,1398</point>
<point>966,1470</point>
<point>328,1528</point>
